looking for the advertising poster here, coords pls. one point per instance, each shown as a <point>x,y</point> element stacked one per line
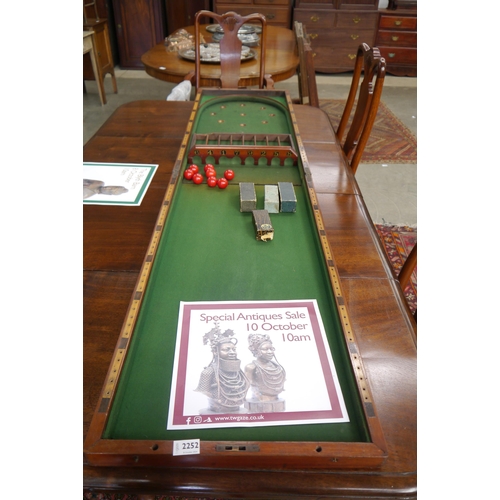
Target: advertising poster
<point>116,183</point>
<point>246,364</point>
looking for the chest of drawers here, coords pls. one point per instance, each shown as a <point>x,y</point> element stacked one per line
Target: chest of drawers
<point>277,12</point>
<point>336,28</point>
<point>397,41</point>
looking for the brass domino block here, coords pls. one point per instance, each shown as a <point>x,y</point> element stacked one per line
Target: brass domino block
<point>264,230</point>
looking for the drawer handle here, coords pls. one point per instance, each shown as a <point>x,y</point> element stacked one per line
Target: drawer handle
<point>354,37</point>
<point>398,23</point>
<point>314,18</point>
<point>270,16</point>
<point>313,36</point>
<point>391,54</point>
<point>394,38</point>
<point>351,56</point>
<point>356,19</point>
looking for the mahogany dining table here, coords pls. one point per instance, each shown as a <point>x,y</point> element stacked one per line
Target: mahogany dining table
<point>281,60</point>
<point>115,240</point>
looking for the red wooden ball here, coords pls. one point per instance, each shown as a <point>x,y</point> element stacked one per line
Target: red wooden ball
<point>197,178</point>
<point>222,183</point>
<point>188,174</point>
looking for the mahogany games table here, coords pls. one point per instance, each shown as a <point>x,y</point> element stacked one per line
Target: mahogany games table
<point>130,251</point>
<point>281,60</point>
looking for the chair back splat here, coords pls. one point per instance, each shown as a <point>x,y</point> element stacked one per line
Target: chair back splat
<point>306,74</point>
<point>373,66</point>
<point>230,46</point>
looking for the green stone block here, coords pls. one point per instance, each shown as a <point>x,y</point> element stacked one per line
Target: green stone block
<point>248,198</point>
<point>271,199</point>
<point>288,200</point>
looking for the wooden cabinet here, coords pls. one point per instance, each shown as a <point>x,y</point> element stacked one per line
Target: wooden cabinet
<point>181,14</point>
<point>336,28</point>
<point>277,12</point>
<point>397,41</point>
<point>139,26</point>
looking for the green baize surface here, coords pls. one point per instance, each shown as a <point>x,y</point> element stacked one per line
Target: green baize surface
<point>208,252</point>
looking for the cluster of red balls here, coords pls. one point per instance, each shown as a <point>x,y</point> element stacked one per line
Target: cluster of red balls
<point>192,173</point>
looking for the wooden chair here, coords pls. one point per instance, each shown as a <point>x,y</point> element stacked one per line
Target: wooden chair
<point>230,49</point>
<point>368,92</point>
<point>306,74</point>
<point>366,86</point>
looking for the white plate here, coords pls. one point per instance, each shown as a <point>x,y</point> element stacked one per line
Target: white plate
<point>210,53</point>
<point>246,28</point>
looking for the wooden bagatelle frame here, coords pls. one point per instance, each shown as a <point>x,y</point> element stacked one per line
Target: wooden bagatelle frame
<point>99,451</point>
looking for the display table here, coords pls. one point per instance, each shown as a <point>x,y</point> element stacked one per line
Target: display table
<point>118,238</point>
<point>281,60</point>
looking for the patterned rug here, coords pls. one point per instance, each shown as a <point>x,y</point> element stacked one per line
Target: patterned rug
<point>398,242</point>
<point>390,140</point>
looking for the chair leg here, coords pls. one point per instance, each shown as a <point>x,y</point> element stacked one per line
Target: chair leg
<point>408,267</point>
